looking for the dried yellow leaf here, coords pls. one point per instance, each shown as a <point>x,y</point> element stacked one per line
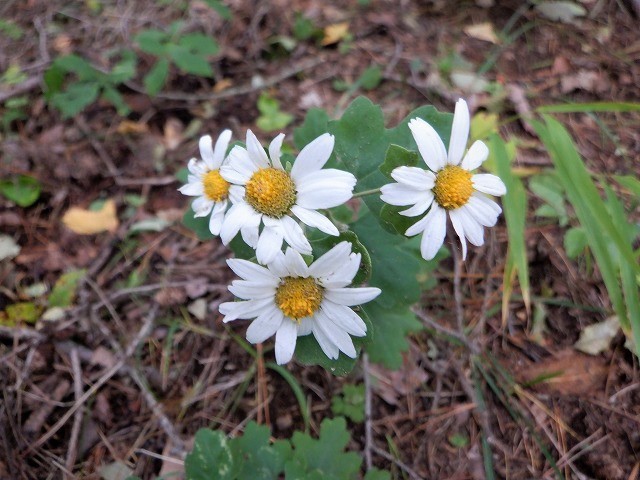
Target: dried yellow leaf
<point>87,222</point>
<point>335,32</point>
<point>482,31</point>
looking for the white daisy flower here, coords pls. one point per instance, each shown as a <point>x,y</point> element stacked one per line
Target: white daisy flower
<point>205,182</point>
<point>448,187</point>
<point>272,196</point>
<point>290,299</point>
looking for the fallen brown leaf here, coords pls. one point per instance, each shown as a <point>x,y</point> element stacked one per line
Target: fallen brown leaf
<point>334,33</point>
<point>88,222</point>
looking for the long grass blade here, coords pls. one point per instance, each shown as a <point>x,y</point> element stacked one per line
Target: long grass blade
<point>590,107</point>
<point>515,211</point>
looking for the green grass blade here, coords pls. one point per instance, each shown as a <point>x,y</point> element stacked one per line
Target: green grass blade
<point>610,248</point>
<point>297,391</point>
<point>515,210</point>
<point>590,107</point>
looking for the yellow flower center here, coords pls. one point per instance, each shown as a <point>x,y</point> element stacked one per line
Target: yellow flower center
<point>298,297</point>
<point>453,187</point>
<point>216,188</point>
<point>271,192</point>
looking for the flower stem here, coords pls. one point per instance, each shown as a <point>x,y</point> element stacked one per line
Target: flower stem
<point>366,192</point>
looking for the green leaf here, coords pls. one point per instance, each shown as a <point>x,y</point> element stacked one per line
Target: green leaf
<point>77,65</point>
<point>75,98</point>
<point>10,29</point>
<point>549,189</point>
<point>389,337</point>
<point>303,27</point>
<point>112,95</point>
<point>199,44</point>
<point>53,80</point>
<point>398,156</point>
<point>375,474</point>
<point>157,76</point>
<point>189,62</point>
<point>323,458</point>
<point>350,403</point>
<point>23,190</point>
<point>220,7</point>
<point>254,457</point>
<point>370,78</point>
<point>22,312</point>
<point>64,291</point>
<point>154,42</point>
<point>575,241</point>
<point>315,124</point>
<point>125,69</point>
<point>271,117</point>
<point>210,458</point>
<point>308,352</point>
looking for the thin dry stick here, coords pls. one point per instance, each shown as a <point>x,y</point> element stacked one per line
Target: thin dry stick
<point>72,452</point>
<point>250,87</point>
<point>399,463</point>
<point>178,445</point>
<point>143,333</point>
<point>457,292</point>
<point>368,430</point>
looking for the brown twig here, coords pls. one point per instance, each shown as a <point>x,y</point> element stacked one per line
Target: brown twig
<point>143,333</point>
<point>72,451</point>
<point>399,463</point>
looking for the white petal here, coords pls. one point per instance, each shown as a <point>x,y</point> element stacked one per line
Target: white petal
<point>335,334</point>
<point>250,235</point>
<point>414,177</point>
<point>484,214</point>
<point>206,151</point>
<point>245,309</point>
<point>220,150</point>
<point>328,347</point>
<point>434,232</point>
<point>398,194</point>
<point>240,168</point>
<point>202,206</point>
<point>305,327</point>
<point>251,271</point>
<point>344,318</point>
<point>269,243</point>
<point>236,193</point>
<point>239,215</point>
<point>197,167</point>
<point>325,189</point>
<point>330,261</point>
<point>256,152</point>
<point>472,229</point>
<point>459,132</point>
<point>275,149</point>
<point>192,189</point>
<point>278,266</point>
<point>296,265</point>
<point>343,275</point>
<point>315,219</point>
<point>266,325</point>
<point>217,217</point>
<point>487,202</point>
<point>351,296</point>
<point>487,183</point>
<point>429,144</point>
<point>286,337</point>
<point>313,156</point>
<point>476,155</point>
<point>422,205</point>
<point>294,235</point>
<point>459,228</point>
<point>251,290</point>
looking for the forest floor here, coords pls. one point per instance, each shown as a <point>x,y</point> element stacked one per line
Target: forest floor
<point>139,360</point>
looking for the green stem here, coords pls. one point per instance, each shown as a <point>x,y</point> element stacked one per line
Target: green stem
<point>366,192</point>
